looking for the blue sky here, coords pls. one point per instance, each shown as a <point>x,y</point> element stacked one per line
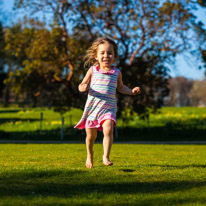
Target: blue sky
<point>186,65</point>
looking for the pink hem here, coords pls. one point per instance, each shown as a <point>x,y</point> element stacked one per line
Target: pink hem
<point>95,123</point>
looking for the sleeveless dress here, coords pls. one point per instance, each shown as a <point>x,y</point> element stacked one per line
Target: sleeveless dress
<point>101,102</point>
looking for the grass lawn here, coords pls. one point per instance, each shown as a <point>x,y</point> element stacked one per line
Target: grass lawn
<point>55,174</point>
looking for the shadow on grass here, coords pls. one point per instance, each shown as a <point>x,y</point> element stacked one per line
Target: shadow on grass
<point>45,135</point>
<point>11,111</point>
<point>71,183</point>
<point>124,134</point>
<point>178,166</point>
<point>162,134</point>
<point>128,170</point>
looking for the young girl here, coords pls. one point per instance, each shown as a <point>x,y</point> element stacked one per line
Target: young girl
<point>102,80</point>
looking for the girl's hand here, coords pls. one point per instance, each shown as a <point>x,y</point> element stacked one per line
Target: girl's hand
<point>136,90</point>
<point>83,87</point>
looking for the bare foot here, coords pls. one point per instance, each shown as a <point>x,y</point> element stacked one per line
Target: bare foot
<point>89,161</point>
<point>107,162</point>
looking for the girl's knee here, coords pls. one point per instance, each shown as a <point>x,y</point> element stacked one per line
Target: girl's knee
<point>108,131</point>
<point>91,134</point>
<point>91,137</point>
<point>108,127</point>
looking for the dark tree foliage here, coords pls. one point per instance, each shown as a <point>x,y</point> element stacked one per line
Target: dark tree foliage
<point>41,72</point>
<point>3,75</point>
<point>148,33</point>
<point>2,45</point>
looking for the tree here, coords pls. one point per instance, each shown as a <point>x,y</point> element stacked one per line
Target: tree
<point>203,52</point>
<point>2,45</point>
<point>149,33</point>
<point>40,62</point>
<point>2,59</point>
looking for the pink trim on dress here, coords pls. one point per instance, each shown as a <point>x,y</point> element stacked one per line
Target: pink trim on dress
<point>112,71</point>
<point>96,123</point>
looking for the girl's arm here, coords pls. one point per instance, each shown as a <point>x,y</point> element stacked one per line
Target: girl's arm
<point>84,86</point>
<point>124,89</point>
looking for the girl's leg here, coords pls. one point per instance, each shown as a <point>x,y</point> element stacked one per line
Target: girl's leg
<point>107,141</point>
<point>90,139</point>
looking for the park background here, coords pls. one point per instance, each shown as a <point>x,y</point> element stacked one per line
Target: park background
<point>159,148</point>
<point>42,50</point>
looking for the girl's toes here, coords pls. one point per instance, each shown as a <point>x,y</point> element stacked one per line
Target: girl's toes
<point>107,162</point>
<point>89,161</point>
<point>89,166</point>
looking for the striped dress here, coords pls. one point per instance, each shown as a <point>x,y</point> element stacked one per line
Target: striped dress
<point>101,103</point>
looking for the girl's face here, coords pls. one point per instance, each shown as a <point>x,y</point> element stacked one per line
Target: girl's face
<point>105,55</point>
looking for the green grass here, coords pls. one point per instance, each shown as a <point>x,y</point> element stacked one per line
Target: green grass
<point>21,119</point>
<point>170,124</point>
<point>182,116</point>
<point>55,174</point>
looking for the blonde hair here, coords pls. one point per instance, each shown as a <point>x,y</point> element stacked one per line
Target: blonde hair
<point>92,51</point>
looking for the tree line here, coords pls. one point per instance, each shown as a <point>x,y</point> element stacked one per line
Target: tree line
<point>186,92</point>
<point>41,58</point>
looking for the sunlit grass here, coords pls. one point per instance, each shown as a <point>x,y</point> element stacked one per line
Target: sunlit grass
<point>173,115</point>
<point>170,124</point>
<point>142,175</point>
<point>19,119</point>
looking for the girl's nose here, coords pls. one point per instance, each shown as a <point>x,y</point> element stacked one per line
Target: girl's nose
<point>106,54</point>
